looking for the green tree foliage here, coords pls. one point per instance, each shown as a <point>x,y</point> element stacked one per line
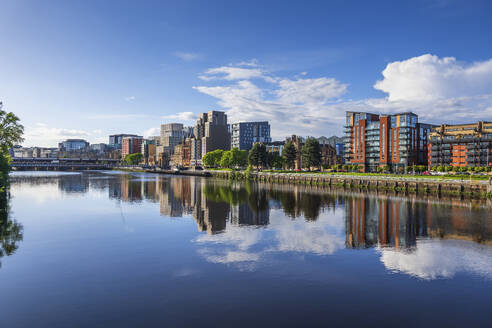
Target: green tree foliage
<point>275,160</point>
<point>258,155</point>
<point>10,134</point>
<point>133,159</point>
<point>311,153</point>
<point>212,159</point>
<point>289,153</point>
<point>10,130</point>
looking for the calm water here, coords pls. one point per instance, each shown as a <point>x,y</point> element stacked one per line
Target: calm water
<point>112,249</point>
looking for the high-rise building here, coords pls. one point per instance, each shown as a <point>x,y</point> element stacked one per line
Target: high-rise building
<point>461,145</point>
<point>171,135</point>
<point>116,140</point>
<point>131,145</point>
<point>211,132</point>
<point>397,140</point>
<point>245,134</point>
<point>148,150</point>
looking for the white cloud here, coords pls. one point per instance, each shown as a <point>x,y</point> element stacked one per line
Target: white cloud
<point>151,132</point>
<point>252,63</point>
<point>434,259</point>
<point>116,116</point>
<point>428,77</point>
<point>130,98</point>
<point>240,245</point>
<point>432,87</point>
<point>182,116</point>
<point>187,56</point>
<point>42,135</point>
<point>306,91</point>
<point>231,73</point>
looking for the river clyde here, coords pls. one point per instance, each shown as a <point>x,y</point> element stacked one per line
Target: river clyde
<point>116,249</point>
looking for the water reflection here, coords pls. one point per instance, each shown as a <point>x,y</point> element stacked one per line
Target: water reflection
<point>11,232</point>
<point>246,224</point>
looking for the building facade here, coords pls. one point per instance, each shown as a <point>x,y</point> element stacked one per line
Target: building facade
<point>211,132</point>
<point>328,152</point>
<point>182,154</point>
<point>116,140</point>
<point>73,145</point>
<point>131,145</point>
<point>461,145</point>
<point>275,147</point>
<point>148,150</point>
<point>245,134</point>
<point>173,134</point>
<point>396,141</point>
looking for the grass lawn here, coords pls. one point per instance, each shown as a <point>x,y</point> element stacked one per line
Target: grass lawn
<point>437,177</point>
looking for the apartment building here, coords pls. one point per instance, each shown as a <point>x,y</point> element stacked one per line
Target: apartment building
<point>461,145</point>
<point>210,132</point>
<point>131,145</point>
<point>397,140</point>
<point>245,134</point>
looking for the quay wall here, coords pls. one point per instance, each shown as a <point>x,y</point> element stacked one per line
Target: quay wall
<point>459,188</point>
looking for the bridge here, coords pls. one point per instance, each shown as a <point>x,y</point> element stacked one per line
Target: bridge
<point>62,164</point>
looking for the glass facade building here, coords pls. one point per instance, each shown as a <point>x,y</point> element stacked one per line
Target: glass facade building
<point>245,134</point>
<point>396,141</point>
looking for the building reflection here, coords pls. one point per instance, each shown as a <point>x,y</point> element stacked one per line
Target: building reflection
<point>386,221</point>
<point>370,219</point>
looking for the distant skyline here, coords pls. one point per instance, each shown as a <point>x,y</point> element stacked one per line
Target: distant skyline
<point>88,69</point>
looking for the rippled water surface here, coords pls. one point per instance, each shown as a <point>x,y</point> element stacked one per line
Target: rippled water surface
<point>112,249</point>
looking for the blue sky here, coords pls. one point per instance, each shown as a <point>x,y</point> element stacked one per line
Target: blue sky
<point>92,68</point>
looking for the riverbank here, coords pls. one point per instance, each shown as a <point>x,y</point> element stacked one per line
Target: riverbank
<point>417,185</point>
<point>162,171</point>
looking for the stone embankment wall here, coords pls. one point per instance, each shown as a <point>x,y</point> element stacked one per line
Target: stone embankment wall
<point>459,188</point>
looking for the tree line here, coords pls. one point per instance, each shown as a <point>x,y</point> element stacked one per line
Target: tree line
<point>259,157</point>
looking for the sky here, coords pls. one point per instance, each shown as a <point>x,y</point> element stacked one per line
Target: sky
<point>88,69</point>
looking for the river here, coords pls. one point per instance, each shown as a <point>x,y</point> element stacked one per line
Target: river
<point>116,249</point>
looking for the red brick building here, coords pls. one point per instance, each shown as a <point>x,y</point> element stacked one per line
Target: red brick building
<point>373,140</point>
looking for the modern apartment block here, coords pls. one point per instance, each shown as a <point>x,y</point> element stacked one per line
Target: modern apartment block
<point>173,134</point>
<point>116,140</point>
<point>373,140</point>
<point>245,134</point>
<point>211,132</point>
<point>461,145</point>
<point>131,145</point>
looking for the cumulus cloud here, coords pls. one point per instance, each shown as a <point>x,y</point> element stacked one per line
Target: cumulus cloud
<point>187,56</point>
<point>430,86</point>
<point>44,136</point>
<point>182,116</point>
<point>429,77</point>
<point>151,132</point>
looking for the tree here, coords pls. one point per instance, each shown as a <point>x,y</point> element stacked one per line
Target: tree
<point>212,159</point>
<point>311,153</point>
<point>258,155</point>
<point>133,159</point>
<point>10,134</point>
<point>238,157</point>
<point>289,153</point>
<point>10,130</point>
<point>226,159</point>
<point>275,160</point>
